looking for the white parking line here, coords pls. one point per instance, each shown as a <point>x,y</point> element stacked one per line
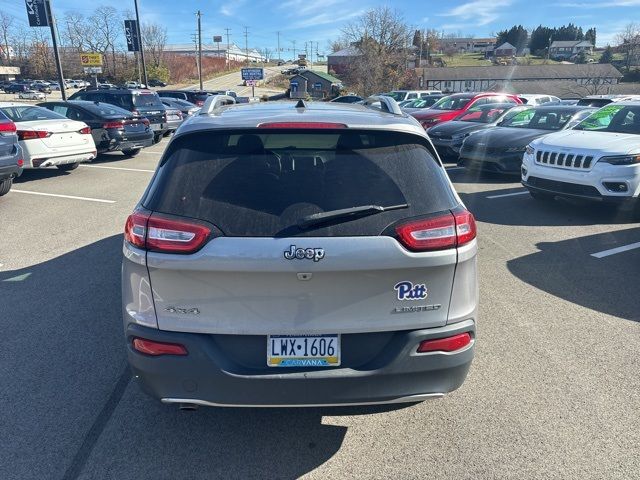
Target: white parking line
<point>613,251</point>
<point>453,169</point>
<point>88,199</point>
<point>119,168</point>
<point>508,194</point>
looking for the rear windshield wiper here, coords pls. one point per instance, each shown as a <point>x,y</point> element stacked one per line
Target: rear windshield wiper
<point>346,213</point>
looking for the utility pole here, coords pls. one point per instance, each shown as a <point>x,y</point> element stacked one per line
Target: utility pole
<point>144,65</point>
<point>228,30</point>
<point>279,46</point>
<point>294,50</point>
<point>56,53</point>
<point>199,15</point>
<point>246,44</point>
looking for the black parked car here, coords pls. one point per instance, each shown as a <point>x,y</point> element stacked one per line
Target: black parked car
<point>113,128</point>
<point>197,97</point>
<point>154,82</point>
<point>187,108</point>
<point>16,88</point>
<point>447,137</point>
<point>500,149</point>
<point>139,102</point>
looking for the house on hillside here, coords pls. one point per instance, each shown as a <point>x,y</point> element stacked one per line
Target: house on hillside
<point>506,50</point>
<point>340,62</point>
<point>465,45</point>
<point>565,49</point>
<point>477,79</point>
<point>316,84</point>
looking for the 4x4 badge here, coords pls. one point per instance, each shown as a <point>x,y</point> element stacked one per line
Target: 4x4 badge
<point>295,253</point>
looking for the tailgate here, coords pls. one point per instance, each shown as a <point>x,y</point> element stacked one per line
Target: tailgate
<point>258,286</point>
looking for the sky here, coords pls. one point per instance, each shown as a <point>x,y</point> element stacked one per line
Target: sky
<point>322,20</point>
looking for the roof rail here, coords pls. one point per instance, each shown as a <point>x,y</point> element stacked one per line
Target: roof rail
<point>386,104</point>
<point>214,102</point>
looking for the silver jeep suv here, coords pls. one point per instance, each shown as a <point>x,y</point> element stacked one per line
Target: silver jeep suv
<point>297,255</point>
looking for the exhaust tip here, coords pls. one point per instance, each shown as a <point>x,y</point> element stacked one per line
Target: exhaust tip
<point>189,407</point>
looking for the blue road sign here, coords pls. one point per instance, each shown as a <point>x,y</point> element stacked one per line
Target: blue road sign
<point>252,73</point>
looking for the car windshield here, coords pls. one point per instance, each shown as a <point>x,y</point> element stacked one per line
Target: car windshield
<point>613,118</point>
<point>147,99</point>
<point>483,114</point>
<point>106,110</point>
<point>24,113</point>
<point>451,103</point>
<point>417,103</point>
<point>540,119</point>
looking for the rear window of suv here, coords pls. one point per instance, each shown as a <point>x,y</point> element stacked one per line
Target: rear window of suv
<point>255,183</point>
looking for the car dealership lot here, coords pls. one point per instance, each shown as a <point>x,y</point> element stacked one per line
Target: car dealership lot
<point>553,391</point>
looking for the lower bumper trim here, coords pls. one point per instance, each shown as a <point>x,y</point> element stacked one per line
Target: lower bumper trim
<point>408,399</point>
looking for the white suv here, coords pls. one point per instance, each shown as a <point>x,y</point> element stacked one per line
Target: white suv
<point>599,159</point>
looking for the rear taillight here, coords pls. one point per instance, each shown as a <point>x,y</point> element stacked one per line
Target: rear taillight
<point>151,347</point>
<point>85,131</point>
<point>7,127</point>
<point>117,125</point>
<point>448,344</point>
<point>450,230</point>
<point>146,122</point>
<point>20,162</point>
<point>162,234</point>
<point>32,134</point>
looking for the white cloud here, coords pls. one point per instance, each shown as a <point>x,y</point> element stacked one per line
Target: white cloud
<point>325,18</point>
<point>479,11</point>
<point>600,4</point>
<point>230,9</point>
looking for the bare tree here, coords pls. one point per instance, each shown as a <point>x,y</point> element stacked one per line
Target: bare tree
<point>154,38</point>
<point>382,39</point>
<point>6,24</point>
<point>107,30</point>
<point>629,43</point>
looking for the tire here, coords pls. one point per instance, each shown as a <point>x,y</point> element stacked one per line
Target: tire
<point>5,186</point>
<point>541,197</point>
<point>157,138</point>
<point>167,133</point>
<point>131,152</point>
<point>67,167</point>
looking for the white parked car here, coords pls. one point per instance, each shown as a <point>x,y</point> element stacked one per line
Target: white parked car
<point>32,95</point>
<point>49,139</point>
<point>537,99</point>
<point>400,95</point>
<point>599,159</point>
<point>133,84</point>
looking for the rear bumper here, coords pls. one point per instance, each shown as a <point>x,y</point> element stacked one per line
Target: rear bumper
<point>211,374</point>
<point>49,161</point>
<point>10,171</point>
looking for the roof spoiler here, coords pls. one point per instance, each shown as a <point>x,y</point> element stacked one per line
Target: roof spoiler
<point>386,104</point>
<point>214,102</point>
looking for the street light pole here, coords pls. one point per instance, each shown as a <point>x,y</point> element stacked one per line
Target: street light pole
<point>144,65</point>
<point>56,53</point>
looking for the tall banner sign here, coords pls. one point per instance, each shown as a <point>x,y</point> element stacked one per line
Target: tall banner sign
<point>37,13</point>
<point>132,34</point>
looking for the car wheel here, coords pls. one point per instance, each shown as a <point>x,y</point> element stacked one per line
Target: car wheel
<point>5,186</point>
<point>542,197</point>
<point>157,138</point>
<point>167,133</point>
<point>131,152</point>
<point>67,167</point>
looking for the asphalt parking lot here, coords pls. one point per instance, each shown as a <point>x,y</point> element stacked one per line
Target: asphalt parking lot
<point>554,391</point>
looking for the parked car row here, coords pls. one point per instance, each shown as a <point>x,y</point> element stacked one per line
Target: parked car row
<point>66,133</point>
<point>557,149</point>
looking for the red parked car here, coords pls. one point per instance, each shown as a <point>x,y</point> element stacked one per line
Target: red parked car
<point>448,108</point>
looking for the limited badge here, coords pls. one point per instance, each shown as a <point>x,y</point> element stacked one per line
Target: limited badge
<point>408,291</point>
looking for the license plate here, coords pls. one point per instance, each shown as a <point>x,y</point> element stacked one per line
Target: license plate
<point>303,350</point>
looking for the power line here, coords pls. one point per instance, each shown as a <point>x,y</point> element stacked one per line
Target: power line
<point>228,34</point>
<point>246,44</point>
